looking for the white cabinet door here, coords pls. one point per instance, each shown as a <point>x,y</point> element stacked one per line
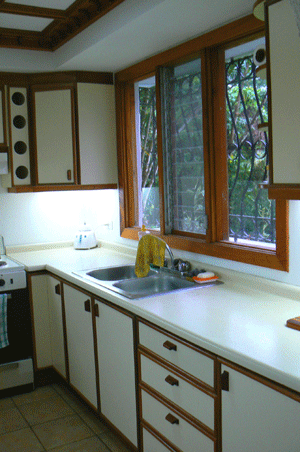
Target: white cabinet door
<point>285,94</point>
<point>41,325</point>
<point>97,134</point>
<point>115,345</point>
<point>256,418</point>
<point>56,326</point>
<point>55,135</point>
<point>80,341</point>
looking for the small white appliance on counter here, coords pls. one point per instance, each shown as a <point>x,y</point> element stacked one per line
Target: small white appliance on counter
<point>85,238</point>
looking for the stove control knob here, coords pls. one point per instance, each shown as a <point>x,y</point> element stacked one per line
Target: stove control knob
<point>2,282</point>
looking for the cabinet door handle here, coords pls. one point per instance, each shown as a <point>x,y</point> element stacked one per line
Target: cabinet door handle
<point>57,289</point>
<point>96,310</point>
<point>225,381</point>
<point>172,419</point>
<point>172,381</point>
<point>69,174</point>
<point>170,346</point>
<point>87,306</point>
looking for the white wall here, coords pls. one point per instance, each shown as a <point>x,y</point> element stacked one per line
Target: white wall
<point>27,218</point>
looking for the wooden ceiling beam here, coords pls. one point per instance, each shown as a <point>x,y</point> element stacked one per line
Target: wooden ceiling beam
<point>25,10</point>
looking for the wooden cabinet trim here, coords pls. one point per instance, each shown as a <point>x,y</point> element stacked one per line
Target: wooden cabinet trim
<point>261,379</point>
<point>191,379</point>
<point>177,338</point>
<point>160,438</point>
<point>185,416</point>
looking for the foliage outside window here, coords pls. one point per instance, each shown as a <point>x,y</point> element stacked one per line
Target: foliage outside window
<point>251,213</point>
<point>190,184</point>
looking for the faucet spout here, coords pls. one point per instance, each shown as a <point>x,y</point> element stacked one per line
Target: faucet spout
<point>171,256</point>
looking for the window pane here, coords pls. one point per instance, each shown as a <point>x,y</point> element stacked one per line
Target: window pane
<point>183,148</point>
<point>147,165</point>
<point>251,213</point>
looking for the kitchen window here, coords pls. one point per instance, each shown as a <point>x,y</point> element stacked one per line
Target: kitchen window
<point>192,161</point>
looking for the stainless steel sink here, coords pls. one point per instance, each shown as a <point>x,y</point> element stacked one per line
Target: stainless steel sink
<point>113,273</point>
<point>123,280</point>
<point>151,285</point>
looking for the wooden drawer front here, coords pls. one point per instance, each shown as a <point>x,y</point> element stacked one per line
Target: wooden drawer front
<point>184,357</point>
<point>151,444</point>
<point>182,434</point>
<point>185,395</point>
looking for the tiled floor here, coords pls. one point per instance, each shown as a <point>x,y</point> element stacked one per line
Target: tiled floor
<point>53,418</point>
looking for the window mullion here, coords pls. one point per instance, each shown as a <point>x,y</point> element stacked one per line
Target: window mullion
<point>217,145</point>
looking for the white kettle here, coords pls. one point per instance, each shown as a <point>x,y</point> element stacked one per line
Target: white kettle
<point>85,238</point>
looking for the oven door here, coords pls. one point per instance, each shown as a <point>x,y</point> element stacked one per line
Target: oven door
<point>18,328</point>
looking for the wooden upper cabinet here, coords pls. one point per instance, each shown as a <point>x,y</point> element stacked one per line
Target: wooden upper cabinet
<point>283,43</point>
<point>54,135</point>
<point>69,131</point>
<point>97,134</point>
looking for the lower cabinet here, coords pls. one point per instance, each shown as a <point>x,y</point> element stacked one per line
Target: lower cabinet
<point>38,285</point>
<point>115,345</point>
<point>177,393</point>
<point>80,343</point>
<point>57,330</point>
<point>257,417</point>
<point>189,399</point>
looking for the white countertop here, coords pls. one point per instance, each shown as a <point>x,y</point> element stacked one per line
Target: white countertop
<point>242,320</point>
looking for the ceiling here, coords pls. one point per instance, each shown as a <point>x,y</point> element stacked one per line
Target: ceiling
<point>103,35</point>
<point>46,25</point>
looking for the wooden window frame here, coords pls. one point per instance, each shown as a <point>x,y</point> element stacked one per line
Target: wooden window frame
<point>211,45</point>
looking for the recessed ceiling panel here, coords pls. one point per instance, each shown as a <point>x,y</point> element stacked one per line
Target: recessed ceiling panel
<point>17,22</point>
<point>56,4</point>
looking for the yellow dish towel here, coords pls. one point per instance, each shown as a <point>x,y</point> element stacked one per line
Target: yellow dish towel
<point>151,250</point>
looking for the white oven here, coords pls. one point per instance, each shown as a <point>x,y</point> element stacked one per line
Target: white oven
<point>16,366</point>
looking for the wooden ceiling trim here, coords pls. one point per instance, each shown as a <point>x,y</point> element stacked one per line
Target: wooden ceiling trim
<point>25,10</point>
<point>65,24</point>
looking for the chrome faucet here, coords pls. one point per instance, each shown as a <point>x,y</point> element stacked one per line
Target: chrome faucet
<point>171,255</point>
<point>2,246</point>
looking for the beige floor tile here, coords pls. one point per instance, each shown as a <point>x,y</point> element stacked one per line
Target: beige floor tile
<point>6,403</point>
<point>98,427</point>
<point>45,410</point>
<point>10,420</point>
<point>87,445</point>
<point>62,431</point>
<point>71,399</point>
<point>114,444</point>
<point>35,396</point>
<point>21,441</point>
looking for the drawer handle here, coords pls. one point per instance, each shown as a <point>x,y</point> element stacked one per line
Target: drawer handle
<point>87,306</point>
<point>170,346</point>
<point>172,419</point>
<point>172,381</point>
<point>69,174</point>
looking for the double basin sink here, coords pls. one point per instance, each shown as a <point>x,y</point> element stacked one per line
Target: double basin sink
<point>123,280</point>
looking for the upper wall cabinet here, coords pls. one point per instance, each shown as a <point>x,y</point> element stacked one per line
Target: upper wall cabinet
<point>54,134</point>
<point>283,44</point>
<point>97,133</point>
<point>67,139</point>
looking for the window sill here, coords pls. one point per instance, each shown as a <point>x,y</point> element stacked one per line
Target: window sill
<point>267,258</point>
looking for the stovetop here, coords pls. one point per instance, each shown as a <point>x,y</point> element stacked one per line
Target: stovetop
<point>8,265</point>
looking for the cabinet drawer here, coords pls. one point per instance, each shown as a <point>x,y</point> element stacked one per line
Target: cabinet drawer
<point>176,430</point>
<point>150,443</point>
<point>181,355</point>
<point>179,391</point>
